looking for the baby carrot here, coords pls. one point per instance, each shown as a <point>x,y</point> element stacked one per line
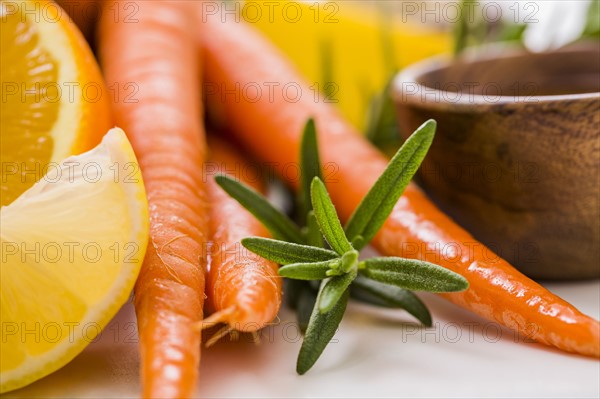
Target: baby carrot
<point>238,59</point>
<point>243,289</point>
<point>152,64</point>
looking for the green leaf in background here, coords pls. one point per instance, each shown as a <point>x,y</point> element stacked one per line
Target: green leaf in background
<point>334,289</point>
<point>327,218</point>
<point>277,223</point>
<point>301,297</point>
<point>321,328</point>
<point>305,304</point>
<point>511,32</point>
<point>385,14</point>
<point>413,274</point>
<point>286,253</point>
<point>472,29</point>
<point>383,295</point>
<point>376,206</point>
<point>461,29</point>
<point>292,290</point>
<point>310,167</point>
<point>329,87</point>
<point>306,271</point>
<point>592,23</point>
<point>382,123</point>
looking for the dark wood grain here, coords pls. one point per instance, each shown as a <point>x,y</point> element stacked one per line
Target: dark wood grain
<point>520,172</point>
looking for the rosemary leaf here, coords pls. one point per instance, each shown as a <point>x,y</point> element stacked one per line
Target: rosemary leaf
<point>349,261</point>
<point>286,253</point>
<point>334,289</point>
<point>277,223</point>
<point>313,232</point>
<point>376,206</point>
<point>413,274</point>
<point>306,271</point>
<point>327,218</point>
<point>383,295</point>
<point>321,328</point>
<point>310,167</point>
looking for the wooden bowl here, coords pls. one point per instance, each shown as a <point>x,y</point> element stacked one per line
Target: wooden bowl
<point>516,158</point>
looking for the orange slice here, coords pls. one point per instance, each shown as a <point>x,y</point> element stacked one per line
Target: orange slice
<point>54,101</point>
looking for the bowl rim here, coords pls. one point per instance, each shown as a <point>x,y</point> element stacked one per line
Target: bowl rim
<point>414,72</point>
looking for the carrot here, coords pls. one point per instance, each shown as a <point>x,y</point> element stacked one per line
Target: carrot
<point>154,64</point>
<point>242,288</point>
<point>238,60</point>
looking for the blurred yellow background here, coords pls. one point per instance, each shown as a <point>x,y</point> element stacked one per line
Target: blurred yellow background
<point>356,45</point>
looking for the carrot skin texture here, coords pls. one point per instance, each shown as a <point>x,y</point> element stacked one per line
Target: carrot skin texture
<point>153,65</point>
<point>241,284</point>
<point>271,129</point>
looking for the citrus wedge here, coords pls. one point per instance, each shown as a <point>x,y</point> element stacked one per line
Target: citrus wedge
<point>54,101</point>
<point>72,246</point>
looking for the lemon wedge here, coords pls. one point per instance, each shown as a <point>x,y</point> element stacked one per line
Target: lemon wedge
<point>72,247</point>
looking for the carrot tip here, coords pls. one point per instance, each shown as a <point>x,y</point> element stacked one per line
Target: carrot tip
<point>276,322</point>
<point>218,335</point>
<point>255,337</point>
<point>221,316</point>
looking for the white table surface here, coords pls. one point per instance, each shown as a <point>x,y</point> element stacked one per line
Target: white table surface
<point>377,353</point>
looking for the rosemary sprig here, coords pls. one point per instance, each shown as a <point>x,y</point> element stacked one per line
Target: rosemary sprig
<point>384,281</point>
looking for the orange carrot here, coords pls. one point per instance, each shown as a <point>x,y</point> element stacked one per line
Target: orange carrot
<point>153,64</point>
<point>243,289</point>
<point>238,59</point>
